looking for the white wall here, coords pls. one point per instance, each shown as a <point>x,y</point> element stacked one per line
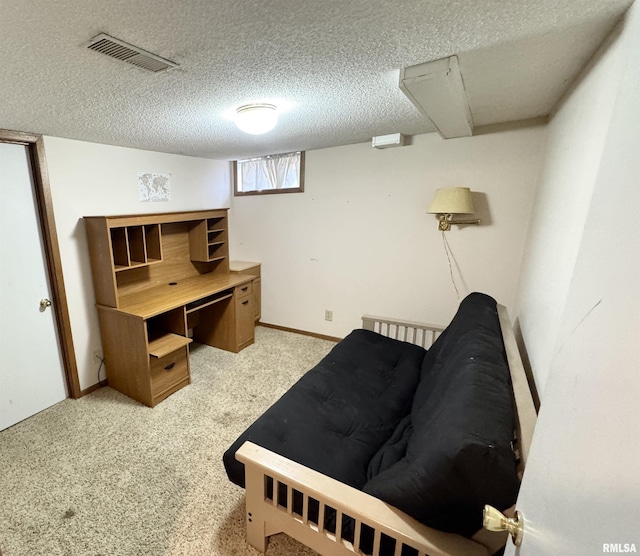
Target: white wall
<point>89,179</point>
<point>576,138</point>
<point>358,240</point>
<point>582,487</point>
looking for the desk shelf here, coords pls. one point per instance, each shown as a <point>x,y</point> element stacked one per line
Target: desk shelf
<point>120,268</point>
<point>208,240</point>
<point>166,344</point>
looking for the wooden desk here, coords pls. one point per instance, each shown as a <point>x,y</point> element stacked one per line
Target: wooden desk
<point>162,281</point>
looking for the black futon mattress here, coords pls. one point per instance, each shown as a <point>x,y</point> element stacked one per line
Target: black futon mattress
<point>338,414</point>
<point>429,432</point>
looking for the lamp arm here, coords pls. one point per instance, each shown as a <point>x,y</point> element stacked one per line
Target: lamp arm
<point>477,221</point>
<point>446,219</point>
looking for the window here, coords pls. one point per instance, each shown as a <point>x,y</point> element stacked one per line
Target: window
<point>277,173</point>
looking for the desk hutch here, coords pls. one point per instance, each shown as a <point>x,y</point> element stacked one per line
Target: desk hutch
<point>162,281</point>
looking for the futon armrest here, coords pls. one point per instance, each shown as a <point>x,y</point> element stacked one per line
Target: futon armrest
<point>261,463</point>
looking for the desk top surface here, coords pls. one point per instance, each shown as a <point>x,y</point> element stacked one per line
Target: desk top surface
<point>160,299</point>
<point>241,266</point>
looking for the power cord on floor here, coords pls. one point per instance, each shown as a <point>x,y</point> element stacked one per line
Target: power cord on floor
<point>100,367</point>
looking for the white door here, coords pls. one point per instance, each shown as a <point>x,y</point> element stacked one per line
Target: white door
<point>581,489</point>
<point>31,369</point>
<point>580,493</point>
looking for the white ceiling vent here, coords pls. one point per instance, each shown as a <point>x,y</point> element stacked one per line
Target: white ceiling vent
<point>110,46</point>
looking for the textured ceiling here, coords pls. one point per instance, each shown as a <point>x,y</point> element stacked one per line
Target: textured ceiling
<point>331,66</point>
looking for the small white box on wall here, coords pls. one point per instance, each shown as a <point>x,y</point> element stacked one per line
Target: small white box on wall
<point>386,141</point>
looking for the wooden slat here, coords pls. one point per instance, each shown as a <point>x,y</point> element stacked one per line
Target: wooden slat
<point>305,508</point>
<point>376,542</point>
<point>356,536</point>
<point>321,517</point>
<point>289,500</point>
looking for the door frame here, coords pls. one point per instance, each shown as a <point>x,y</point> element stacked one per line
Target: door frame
<point>49,238</point>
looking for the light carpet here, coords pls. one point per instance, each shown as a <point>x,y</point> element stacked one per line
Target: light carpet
<point>105,475</point>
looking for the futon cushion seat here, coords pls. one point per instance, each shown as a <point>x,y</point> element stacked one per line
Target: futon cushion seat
<point>337,416</point>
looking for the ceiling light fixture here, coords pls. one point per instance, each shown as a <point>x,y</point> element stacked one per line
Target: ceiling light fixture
<point>256,118</point>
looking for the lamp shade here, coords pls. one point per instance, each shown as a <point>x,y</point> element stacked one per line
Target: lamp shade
<point>256,118</point>
<point>452,200</point>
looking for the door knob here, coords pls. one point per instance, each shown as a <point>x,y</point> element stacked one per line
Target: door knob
<point>495,520</point>
<point>44,303</point>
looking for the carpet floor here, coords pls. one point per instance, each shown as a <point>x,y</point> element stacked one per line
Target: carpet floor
<point>107,476</point>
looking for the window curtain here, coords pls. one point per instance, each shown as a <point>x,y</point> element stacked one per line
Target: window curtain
<point>270,172</point>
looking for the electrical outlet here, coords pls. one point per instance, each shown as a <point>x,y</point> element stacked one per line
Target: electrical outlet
<point>328,315</point>
<point>97,356</point>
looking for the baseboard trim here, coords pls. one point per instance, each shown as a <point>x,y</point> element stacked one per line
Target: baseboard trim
<point>297,331</point>
<point>92,389</point>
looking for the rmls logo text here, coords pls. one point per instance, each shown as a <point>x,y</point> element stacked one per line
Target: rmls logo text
<point>618,548</point>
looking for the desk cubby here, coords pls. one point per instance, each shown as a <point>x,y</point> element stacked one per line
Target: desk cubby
<point>135,246</point>
<point>162,281</point>
<point>167,332</point>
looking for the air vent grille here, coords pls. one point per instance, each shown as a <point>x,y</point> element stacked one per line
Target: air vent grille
<point>115,48</point>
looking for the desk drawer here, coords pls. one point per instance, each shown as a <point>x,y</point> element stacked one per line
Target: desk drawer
<point>244,289</point>
<point>168,370</point>
<point>244,321</point>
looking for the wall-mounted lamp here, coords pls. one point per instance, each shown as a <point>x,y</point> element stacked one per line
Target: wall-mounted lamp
<point>450,201</point>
